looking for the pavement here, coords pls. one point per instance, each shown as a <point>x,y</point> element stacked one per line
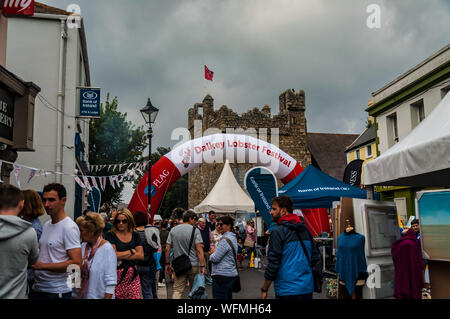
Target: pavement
<point>251,282</point>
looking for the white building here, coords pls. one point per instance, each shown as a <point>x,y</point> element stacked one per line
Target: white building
<point>401,105</point>
<point>47,50</point>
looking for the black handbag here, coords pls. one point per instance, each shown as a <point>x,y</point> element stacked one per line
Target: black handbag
<point>316,271</point>
<point>182,264</point>
<point>237,281</point>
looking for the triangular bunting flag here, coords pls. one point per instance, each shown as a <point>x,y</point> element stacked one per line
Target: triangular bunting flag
<point>79,182</point>
<point>111,180</point>
<point>86,182</point>
<point>94,182</point>
<point>17,169</point>
<point>33,172</point>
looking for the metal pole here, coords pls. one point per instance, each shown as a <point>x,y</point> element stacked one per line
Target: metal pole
<point>149,195</point>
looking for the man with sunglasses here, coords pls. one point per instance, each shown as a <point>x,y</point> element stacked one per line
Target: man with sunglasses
<point>59,247</point>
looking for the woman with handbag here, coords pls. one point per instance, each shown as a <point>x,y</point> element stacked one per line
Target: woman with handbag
<point>250,238</point>
<point>128,246</point>
<point>224,261</point>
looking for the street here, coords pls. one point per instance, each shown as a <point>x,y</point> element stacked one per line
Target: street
<point>251,283</point>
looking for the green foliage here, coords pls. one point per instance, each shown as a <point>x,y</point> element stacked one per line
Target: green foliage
<point>113,139</point>
<point>177,195</point>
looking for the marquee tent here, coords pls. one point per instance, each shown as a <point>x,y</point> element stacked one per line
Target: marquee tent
<point>226,196</point>
<point>420,159</point>
<point>315,189</point>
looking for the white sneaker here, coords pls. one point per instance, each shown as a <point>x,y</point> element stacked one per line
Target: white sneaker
<point>160,284</point>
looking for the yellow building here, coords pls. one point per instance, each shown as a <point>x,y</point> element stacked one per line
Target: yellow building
<point>364,147</point>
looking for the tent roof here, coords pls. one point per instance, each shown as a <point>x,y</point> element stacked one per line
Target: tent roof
<point>226,196</point>
<point>315,189</point>
<point>420,159</point>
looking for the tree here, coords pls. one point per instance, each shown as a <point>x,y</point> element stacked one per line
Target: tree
<point>177,195</point>
<point>112,140</point>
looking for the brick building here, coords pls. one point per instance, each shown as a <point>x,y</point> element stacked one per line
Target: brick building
<point>287,130</point>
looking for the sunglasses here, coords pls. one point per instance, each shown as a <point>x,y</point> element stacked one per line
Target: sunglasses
<point>121,221</point>
<point>220,224</point>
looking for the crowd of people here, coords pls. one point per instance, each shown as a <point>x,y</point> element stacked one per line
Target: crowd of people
<point>120,255</point>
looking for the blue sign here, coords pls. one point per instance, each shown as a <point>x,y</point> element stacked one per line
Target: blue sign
<point>90,102</point>
<point>94,199</point>
<point>261,184</point>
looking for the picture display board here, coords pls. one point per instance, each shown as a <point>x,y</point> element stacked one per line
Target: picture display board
<point>434,221</point>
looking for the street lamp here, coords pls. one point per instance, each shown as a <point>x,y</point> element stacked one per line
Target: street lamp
<point>149,113</point>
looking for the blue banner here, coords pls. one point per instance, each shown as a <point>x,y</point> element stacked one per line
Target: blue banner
<point>90,102</point>
<point>261,185</point>
<point>94,199</point>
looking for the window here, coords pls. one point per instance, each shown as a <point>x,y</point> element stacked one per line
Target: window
<point>368,151</point>
<point>392,129</point>
<point>417,113</point>
<point>358,155</point>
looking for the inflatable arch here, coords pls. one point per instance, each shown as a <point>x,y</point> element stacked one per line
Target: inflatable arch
<point>209,149</point>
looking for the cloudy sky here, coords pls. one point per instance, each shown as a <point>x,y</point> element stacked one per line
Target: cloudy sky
<point>257,49</point>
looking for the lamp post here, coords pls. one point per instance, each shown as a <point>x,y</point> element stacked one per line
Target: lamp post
<point>149,113</point>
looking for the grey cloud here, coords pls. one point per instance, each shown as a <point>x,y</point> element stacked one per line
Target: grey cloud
<point>257,49</point>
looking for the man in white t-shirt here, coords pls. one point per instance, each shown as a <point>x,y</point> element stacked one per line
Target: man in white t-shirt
<point>59,247</point>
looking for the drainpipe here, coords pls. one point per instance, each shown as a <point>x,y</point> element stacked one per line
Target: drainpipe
<point>60,105</point>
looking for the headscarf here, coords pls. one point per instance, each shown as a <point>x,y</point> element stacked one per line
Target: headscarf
<point>85,268</point>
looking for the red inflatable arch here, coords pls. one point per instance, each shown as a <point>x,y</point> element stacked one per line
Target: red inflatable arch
<point>217,148</point>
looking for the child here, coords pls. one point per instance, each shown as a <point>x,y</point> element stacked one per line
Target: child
<point>240,253</point>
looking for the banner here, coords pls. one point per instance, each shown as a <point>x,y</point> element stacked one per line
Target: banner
<point>94,199</point>
<point>90,102</point>
<point>261,185</point>
<point>352,173</point>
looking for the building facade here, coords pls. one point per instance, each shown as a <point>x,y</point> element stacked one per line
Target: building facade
<point>17,102</point>
<point>401,105</point>
<point>364,147</point>
<point>46,49</point>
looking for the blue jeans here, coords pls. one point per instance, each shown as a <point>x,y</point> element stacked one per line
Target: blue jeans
<point>38,295</point>
<point>147,275</point>
<point>304,297</point>
<point>223,290</point>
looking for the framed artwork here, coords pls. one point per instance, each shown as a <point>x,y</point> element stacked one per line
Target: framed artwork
<point>434,221</point>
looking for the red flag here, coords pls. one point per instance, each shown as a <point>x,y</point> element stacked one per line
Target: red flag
<point>208,74</point>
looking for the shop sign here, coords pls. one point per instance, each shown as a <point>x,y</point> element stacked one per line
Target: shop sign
<point>90,102</point>
<point>6,114</point>
<point>18,7</point>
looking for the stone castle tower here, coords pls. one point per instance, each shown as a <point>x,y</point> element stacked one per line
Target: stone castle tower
<point>290,121</point>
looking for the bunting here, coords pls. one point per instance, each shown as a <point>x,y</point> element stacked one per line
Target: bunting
<point>79,182</point>
<point>86,182</point>
<point>33,172</point>
<point>94,182</point>
<point>111,180</point>
<point>17,169</point>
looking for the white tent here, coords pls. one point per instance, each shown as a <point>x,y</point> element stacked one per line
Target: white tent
<point>421,159</point>
<point>226,196</point>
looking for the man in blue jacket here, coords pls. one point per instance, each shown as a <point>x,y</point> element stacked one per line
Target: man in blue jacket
<point>288,265</point>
